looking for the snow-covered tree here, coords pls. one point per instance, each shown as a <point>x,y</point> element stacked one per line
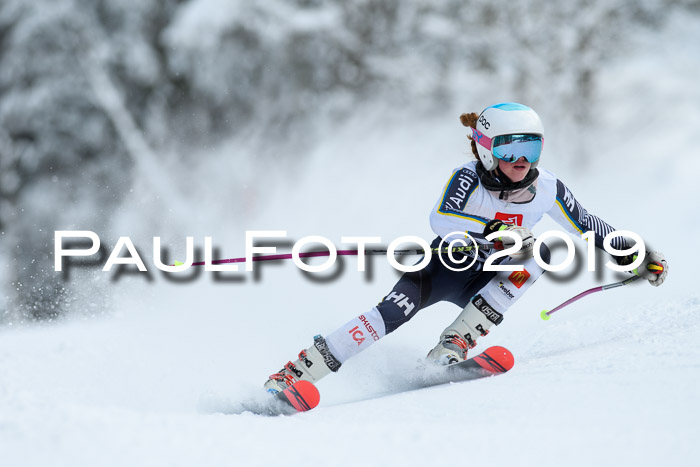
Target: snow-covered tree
<point>95,94</point>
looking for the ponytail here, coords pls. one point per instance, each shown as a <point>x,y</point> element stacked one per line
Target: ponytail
<point>469,120</point>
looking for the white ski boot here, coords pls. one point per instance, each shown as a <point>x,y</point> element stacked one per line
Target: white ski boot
<point>313,364</point>
<point>455,341</point>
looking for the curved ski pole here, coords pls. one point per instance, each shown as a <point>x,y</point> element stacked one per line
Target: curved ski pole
<point>546,314</point>
<point>654,268</point>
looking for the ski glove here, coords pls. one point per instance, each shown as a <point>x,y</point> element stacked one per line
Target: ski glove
<point>654,268</point>
<point>503,242</point>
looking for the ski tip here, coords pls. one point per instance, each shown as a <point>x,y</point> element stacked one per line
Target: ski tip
<point>496,359</point>
<point>302,395</point>
<point>544,315</point>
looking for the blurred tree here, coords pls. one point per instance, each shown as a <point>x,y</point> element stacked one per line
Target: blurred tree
<point>95,93</point>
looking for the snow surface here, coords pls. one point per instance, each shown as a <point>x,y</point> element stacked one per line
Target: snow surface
<point>611,380</point>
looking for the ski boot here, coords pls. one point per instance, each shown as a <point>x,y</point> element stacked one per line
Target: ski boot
<point>455,341</point>
<point>313,364</point>
<point>452,348</point>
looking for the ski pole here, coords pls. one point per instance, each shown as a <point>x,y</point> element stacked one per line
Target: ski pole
<point>653,267</point>
<point>311,254</point>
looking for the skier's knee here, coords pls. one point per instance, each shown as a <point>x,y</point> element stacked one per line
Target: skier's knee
<point>399,306</point>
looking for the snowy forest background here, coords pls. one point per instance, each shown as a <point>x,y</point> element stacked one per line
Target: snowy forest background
<point>153,117</point>
<point>146,118</point>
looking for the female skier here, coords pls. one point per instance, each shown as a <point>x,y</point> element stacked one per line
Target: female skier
<point>503,190</point>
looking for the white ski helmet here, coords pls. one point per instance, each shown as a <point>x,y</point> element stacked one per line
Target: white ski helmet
<point>519,128</point>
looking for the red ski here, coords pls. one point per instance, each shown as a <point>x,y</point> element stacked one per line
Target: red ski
<point>304,396</point>
<point>492,361</point>
<point>301,395</point>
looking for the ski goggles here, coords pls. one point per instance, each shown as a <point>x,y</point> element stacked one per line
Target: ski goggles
<point>510,148</point>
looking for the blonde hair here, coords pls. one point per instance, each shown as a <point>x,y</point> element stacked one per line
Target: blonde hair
<point>469,120</point>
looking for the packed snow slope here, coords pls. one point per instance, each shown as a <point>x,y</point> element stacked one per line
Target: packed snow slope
<point>611,380</point>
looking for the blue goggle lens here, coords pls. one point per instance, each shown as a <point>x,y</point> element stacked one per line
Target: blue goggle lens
<point>510,148</point>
